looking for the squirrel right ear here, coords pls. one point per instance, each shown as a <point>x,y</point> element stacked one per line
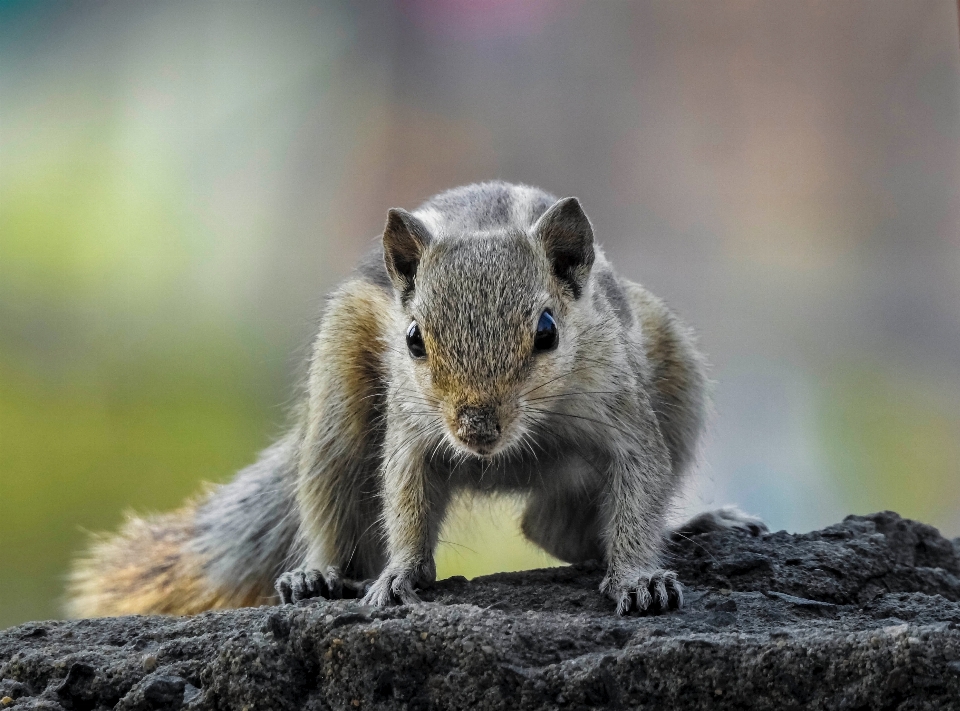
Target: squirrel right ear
<point>404,240</point>
<point>567,236</point>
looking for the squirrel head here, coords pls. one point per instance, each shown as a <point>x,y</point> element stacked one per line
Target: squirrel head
<point>488,318</point>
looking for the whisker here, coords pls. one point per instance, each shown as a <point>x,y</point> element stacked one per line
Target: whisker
<point>567,374</point>
<point>585,418</point>
<point>574,392</point>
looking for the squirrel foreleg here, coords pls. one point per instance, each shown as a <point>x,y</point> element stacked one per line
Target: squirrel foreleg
<point>414,506</point>
<point>637,496</point>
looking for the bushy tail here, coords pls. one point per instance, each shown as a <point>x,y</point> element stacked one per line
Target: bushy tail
<point>147,568</point>
<point>222,550</point>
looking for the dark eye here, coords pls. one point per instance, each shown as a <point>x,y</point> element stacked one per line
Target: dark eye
<point>415,341</point>
<point>546,338</point>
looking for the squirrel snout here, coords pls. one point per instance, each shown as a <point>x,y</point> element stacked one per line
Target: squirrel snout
<point>478,427</point>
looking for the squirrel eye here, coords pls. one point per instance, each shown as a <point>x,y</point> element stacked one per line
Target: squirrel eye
<point>546,338</point>
<point>415,341</point>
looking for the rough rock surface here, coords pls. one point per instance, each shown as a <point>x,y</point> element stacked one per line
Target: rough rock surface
<point>861,615</point>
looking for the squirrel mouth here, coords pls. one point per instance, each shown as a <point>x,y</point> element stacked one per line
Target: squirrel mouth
<point>481,451</point>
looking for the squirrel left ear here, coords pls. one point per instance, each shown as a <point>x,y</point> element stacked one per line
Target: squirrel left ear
<point>567,236</point>
<point>404,240</point>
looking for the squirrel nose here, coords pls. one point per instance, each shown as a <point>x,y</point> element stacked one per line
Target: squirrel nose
<point>478,426</point>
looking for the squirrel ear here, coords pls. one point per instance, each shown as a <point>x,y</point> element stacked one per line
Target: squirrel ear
<point>566,235</point>
<point>404,240</point>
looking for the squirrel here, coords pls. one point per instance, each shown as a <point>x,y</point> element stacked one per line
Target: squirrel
<point>486,345</point>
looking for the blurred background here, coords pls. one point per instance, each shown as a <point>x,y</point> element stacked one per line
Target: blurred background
<point>181,183</point>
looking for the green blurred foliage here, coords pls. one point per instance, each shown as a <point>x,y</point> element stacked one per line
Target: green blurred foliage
<point>116,391</point>
<point>893,439</point>
<point>77,451</point>
<point>81,221</point>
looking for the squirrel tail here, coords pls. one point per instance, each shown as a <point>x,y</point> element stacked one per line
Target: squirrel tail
<point>146,568</point>
<point>223,549</point>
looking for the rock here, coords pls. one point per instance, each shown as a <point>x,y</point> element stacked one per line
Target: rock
<point>861,615</point>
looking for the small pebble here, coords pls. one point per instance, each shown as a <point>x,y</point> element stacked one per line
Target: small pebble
<point>6,701</point>
<point>149,662</point>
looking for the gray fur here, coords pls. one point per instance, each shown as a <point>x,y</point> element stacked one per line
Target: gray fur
<point>246,530</point>
<point>610,289</point>
<point>483,207</point>
<point>597,433</point>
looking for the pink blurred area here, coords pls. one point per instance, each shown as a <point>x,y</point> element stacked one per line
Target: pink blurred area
<point>483,19</point>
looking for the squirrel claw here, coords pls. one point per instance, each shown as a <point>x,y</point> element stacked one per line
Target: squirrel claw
<point>657,590</point>
<point>305,583</point>
<point>392,587</point>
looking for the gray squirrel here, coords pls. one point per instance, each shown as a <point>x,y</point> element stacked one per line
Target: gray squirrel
<point>486,346</point>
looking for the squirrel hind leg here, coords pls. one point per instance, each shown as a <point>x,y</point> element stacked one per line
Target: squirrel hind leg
<point>726,518</point>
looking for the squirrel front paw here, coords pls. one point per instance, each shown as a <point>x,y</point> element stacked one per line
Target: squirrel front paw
<point>648,589</point>
<point>393,585</point>
<point>305,583</point>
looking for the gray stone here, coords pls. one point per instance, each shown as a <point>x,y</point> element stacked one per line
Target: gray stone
<point>861,615</point>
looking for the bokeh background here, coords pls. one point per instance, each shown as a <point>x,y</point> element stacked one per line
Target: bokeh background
<point>180,184</point>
